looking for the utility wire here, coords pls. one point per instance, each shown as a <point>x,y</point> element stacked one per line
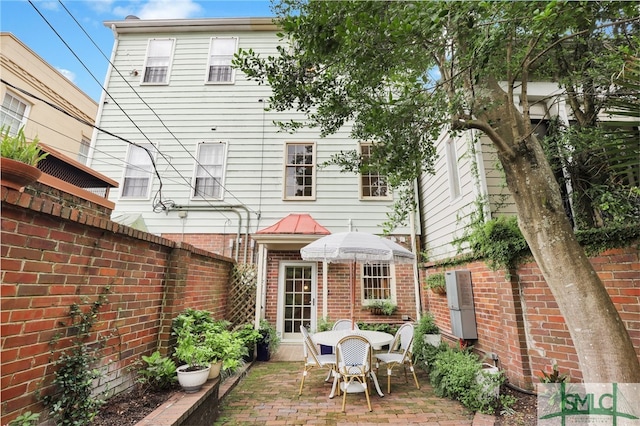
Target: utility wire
<point>150,108</point>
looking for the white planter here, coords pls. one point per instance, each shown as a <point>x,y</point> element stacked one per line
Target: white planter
<point>489,387</point>
<point>192,381</point>
<point>433,339</point>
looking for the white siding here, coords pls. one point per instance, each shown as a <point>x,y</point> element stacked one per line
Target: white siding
<point>190,109</point>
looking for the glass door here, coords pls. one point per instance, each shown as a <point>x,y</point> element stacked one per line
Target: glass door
<point>298,282</point>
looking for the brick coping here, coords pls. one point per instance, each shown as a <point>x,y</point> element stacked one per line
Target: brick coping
<point>176,410</point>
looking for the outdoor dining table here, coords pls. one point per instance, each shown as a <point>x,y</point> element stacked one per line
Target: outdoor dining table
<point>378,339</point>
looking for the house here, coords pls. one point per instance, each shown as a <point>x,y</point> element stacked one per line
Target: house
<point>199,160</point>
<point>30,89</point>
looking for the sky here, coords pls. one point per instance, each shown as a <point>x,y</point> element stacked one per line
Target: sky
<point>49,40</point>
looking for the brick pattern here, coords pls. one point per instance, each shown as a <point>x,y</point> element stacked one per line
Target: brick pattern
<point>519,320</point>
<point>54,255</point>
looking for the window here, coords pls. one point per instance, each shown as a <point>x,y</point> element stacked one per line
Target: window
<point>83,154</point>
<point>452,165</point>
<point>299,171</point>
<point>137,173</point>
<point>156,68</point>
<point>221,53</point>
<point>372,184</point>
<point>14,112</point>
<point>208,178</point>
<point>377,282</point>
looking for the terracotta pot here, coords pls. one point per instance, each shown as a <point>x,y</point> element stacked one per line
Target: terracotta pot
<point>16,175</point>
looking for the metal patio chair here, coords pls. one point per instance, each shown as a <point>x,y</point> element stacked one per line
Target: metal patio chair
<point>353,358</point>
<point>313,359</point>
<point>399,354</point>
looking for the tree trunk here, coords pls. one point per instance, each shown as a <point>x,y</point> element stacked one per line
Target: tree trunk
<point>588,311</point>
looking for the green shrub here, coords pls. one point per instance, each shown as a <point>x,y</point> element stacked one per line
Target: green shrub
<point>385,328</point>
<point>159,372</point>
<point>455,374</point>
<point>26,419</point>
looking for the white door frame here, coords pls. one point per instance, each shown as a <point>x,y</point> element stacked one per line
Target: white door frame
<point>281,291</point>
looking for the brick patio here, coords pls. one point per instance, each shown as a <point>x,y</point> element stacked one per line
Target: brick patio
<point>268,395</point>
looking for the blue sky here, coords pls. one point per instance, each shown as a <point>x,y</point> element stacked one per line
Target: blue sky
<point>23,20</point>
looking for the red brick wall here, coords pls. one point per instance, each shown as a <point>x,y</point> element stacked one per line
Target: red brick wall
<point>339,296</point>
<point>519,320</point>
<point>54,255</point>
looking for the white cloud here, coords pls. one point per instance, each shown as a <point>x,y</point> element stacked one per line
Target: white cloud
<point>71,76</point>
<point>169,9</point>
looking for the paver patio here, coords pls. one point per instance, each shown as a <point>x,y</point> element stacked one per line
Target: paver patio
<point>268,395</point>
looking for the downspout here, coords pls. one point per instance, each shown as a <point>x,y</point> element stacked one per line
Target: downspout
<point>231,208</point>
<point>416,273</point>
<point>103,96</point>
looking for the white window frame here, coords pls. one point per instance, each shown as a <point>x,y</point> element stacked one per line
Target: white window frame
<point>216,57</point>
<point>201,171</point>
<point>85,147</point>
<point>451,151</point>
<point>391,280</point>
<point>161,59</point>
<point>140,170</point>
<point>371,176</point>
<point>12,117</point>
<point>288,166</point>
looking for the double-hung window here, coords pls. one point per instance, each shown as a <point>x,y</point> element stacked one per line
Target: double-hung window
<point>452,166</point>
<point>14,112</point>
<point>372,184</point>
<point>83,153</point>
<point>299,171</point>
<point>138,171</point>
<point>158,61</point>
<point>221,51</point>
<point>209,170</point>
<point>377,282</point>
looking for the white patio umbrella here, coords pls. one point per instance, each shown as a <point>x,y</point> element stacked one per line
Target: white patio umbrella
<point>355,247</point>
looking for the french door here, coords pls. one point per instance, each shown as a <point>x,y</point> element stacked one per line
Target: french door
<point>297,301</point>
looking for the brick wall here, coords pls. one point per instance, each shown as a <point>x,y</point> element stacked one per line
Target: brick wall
<point>339,296</point>
<point>54,255</point>
<point>519,320</point>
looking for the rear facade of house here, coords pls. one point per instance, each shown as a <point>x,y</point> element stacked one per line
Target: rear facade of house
<point>200,160</point>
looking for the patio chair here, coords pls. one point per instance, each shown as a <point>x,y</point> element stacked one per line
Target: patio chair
<point>353,359</point>
<point>399,354</point>
<point>313,359</point>
<point>344,324</point>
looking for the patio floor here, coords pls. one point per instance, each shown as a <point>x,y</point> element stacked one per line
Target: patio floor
<point>268,395</point>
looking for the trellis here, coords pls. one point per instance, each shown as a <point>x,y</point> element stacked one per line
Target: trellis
<point>241,304</point>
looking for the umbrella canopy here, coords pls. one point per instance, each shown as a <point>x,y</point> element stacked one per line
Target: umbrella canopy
<point>347,247</point>
<point>355,247</point>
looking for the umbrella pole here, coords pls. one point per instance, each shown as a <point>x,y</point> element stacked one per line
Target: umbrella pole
<point>353,294</point>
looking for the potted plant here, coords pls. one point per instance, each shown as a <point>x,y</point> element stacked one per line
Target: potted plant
<point>382,307</point>
<point>191,349</point>
<point>19,159</point>
<point>226,350</point>
<point>325,324</point>
<point>428,330</point>
<point>268,341</point>
<point>436,283</point>
<point>248,335</point>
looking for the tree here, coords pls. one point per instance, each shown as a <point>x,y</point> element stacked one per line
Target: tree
<point>400,72</point>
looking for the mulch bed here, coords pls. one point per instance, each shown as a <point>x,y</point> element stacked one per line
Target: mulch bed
<point>129,408</point>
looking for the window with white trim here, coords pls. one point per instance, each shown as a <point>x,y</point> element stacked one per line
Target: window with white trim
<point>158,61</point>
<point>299,171</point>
<point>14,112</point>
<point>372,184</point>
<point>138,171</point>
<point>83,153</point>
<point>221,51</point>
<point>452,166</point>
<point>377,282</point>
<point>209,170</point>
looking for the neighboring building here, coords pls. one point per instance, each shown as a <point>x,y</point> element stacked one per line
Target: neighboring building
<point>25,71</point>
<point>203,163</point>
